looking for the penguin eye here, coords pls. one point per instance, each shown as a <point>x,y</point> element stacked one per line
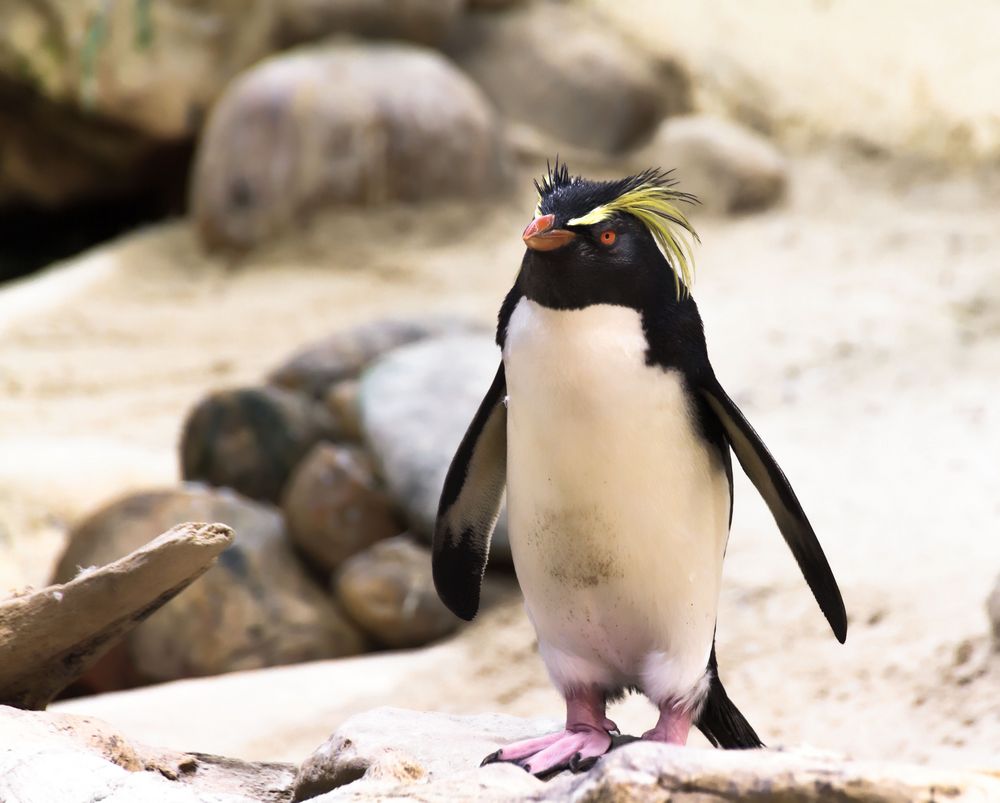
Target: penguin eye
<point>608,237</point>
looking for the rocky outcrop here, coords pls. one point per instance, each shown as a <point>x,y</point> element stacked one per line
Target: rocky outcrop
<point>557,68</point>
<point>46,757</point>
<point>416,404</point>
<point>398,754</point>
<point>100,99</point>
<point>340,124</point>
<point>155,67</point>
<point>49,637</point>
<point>257,607</point>
<point>727,166</point>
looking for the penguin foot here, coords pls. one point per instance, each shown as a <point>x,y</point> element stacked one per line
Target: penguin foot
<point>575,750</point>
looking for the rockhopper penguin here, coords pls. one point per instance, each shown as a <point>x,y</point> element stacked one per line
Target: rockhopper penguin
<point>609,431</point>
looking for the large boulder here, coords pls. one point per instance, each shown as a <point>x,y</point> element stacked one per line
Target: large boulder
<point>153,66</point>
<point>561,70</point>
<point>388,590</point>
<point>427,22</point>
<point>256,607</point>
<point>416,403</point>
<point>251,439</point>
<point>727,166</point>
<point>340,124</point>
<point>334,507</point>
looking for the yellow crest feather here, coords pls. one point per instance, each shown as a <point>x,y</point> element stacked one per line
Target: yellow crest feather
<point>654,204</point>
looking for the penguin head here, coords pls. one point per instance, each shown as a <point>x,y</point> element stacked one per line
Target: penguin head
<point>593,241</point>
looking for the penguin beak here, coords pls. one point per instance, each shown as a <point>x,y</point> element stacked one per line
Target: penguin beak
<point>540,236</point>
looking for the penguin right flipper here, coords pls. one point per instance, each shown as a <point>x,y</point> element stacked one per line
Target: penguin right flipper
<point>773,485</point>
<point>470,504</point>
<point>720,720</point>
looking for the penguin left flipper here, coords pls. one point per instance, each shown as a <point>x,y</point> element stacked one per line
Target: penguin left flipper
<point>774,487</point>
<point>470,504</point>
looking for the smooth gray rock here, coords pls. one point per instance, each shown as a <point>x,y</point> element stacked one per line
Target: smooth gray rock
<point>340,124</point>
<point>256,607</point>
<point>317,366</point>
<point>560,69</point>
<point>388,590</point>
<point>334,508</point>
<point>416,403</point>
<point>727,166</point>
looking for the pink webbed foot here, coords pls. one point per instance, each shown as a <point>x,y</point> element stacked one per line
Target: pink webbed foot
<point>573,750</point>
<point>585,739</point>
<point>672,727</point>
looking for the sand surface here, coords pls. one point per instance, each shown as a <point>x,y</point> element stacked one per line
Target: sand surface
<point>858,326</point>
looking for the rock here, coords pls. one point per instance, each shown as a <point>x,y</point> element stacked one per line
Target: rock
<point>416,403</point>
<point>560,69</point>
<point>730,168</point>
<point>334,124</point>
<point>154,67</point>
<point>427,22</point>
<point>342,400</point>
<point>333,507</point>
<point>643,771</point>
<point>51,636</point>
<point>993,610</point>
<point>61,757</point>
<point>256,607</point>
<point>395,754</point>
<point>344,354</point>
<point>385,747</point>
<point>389,591</point>
<point>251,439</point>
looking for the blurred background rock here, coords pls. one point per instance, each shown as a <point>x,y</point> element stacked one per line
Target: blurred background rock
<point>262,247</point>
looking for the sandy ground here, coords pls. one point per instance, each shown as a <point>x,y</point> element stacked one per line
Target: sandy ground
<point>858,326</point>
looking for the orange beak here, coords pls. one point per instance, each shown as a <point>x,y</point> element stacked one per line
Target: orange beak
<point>540,236</point>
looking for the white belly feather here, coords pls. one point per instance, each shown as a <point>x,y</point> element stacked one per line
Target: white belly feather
<point>618,509</point>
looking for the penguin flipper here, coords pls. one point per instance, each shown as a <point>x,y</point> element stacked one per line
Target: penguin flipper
<point>470,504</point>
<point>720,720</point>
<point>774,487</point>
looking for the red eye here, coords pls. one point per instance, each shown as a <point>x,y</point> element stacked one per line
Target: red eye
<point>608,237</point>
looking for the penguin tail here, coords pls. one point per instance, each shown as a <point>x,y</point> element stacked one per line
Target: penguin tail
<point>721,721</point>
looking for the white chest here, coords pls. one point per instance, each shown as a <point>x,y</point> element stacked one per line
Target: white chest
<point>618,509</point>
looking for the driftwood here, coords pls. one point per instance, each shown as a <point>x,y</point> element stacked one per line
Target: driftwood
<point>50,636</point>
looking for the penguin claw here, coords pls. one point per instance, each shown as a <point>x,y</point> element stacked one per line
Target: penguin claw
<point>579,764</point>
<point>492,758</point>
